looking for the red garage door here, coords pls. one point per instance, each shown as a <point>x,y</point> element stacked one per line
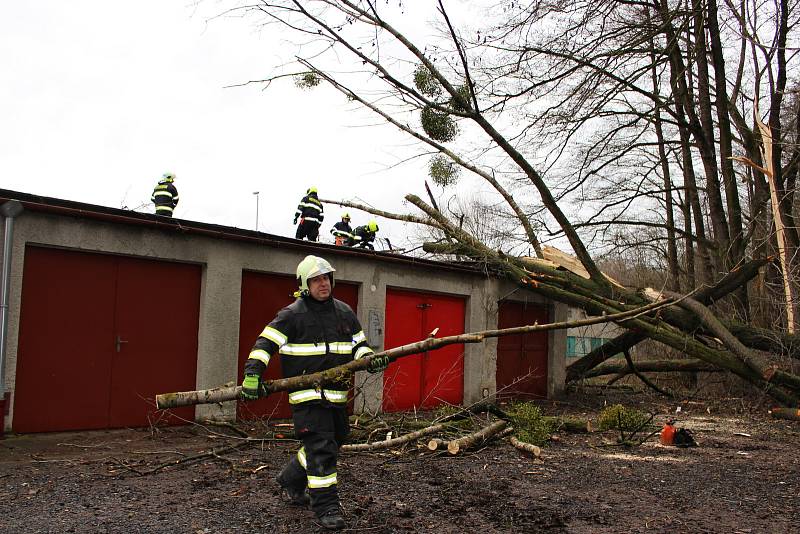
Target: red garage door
<point>433,378</point>
<point>522,359</point>
<point>100,336</point>
<point>263,295</point>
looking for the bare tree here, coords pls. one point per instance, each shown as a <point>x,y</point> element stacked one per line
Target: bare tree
<point>561,125</point>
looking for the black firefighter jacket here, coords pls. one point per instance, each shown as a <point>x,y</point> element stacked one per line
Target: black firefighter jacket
<point>310,209</point>
<point>311,336</point>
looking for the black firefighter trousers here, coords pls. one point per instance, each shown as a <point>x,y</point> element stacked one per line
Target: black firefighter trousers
<point>307,229</point>
<point>322,427</point>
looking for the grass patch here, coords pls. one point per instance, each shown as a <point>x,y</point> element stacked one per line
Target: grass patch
<point>530,425</point>
<point>622,418</point>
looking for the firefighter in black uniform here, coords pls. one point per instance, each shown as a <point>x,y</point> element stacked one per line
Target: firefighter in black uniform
<point>309,211</point>
<point>363,236</point>
<point>314,333</point>
<point>165,195</point>
<point>342,231</point>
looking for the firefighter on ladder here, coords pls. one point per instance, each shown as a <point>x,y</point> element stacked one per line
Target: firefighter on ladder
<point>309,211</point>
<point>314,333</point>
<point>342,231</point>
<point>165,195</point>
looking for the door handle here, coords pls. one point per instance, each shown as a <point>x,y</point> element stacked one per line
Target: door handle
<point>119,343</point>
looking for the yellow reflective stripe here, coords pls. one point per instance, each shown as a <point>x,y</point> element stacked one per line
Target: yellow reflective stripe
<point>312,206</point>
<point>322,482</point>
<point>163,208</point>
<point>301,457</point>
<point>303,349</point>
<point>311,219</point>
<point>304,395</point>
<point>260,355</point>
<point>359,337</point>
<point>162,194</point>
<point>363,351</point>
<point>335,396</point>
<point>273,335</point>
<point>342,347</point>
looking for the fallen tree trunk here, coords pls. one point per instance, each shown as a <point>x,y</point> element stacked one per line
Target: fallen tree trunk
<point>653,366</point>
<point>581,367</point>
<point>683,320</point>
<point>358,447</point>
<point>756,363</point>
<point>342,373</point>
<point>527,447</point>
<point>461,444</point>
<point>766,340</point>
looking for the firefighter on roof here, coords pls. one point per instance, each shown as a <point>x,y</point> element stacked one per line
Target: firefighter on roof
<point>363,236</point>
<point>309,211</point>
<point>165,195</point>
<point>342,231</point>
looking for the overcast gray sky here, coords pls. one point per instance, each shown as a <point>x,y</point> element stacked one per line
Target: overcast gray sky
<point>98,98</point>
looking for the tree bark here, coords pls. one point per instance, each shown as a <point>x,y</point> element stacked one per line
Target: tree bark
<point>527,447</point>
<point>476,438</point>
<point>653,366</point>
<point>386,444</point>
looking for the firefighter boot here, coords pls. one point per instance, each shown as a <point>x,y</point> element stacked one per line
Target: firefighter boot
<point>292,480</point>
<point>332,519</point>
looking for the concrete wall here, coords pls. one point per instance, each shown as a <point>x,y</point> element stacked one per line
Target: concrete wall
<point>223,261</point>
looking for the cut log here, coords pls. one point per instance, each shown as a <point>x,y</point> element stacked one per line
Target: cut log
<point>357,447</point>
<point>476,438</point>
<point>436,444</point>
<point>527,447</point>
<point>792,414</point>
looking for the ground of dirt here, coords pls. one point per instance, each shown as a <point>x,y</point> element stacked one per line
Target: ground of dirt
<point>743,477</point>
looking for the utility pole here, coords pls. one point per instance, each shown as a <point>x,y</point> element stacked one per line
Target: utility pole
<point>256,194</point>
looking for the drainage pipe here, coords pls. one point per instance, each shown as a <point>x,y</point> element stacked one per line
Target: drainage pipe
<point>8,210</point>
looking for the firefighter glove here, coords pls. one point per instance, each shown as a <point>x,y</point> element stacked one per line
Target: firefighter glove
<point>251,387</point>
<point>295,220</point>
<point>378,364</point>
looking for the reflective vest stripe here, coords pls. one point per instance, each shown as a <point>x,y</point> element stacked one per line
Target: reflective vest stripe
<point>363,351</point>
<point>301,457</point>
<point>260,355</point>
<point>274,335</point>
<point>341,347</point>
<point>311,206</point>
<point>322,482</point>
<point>162,194</point>
<point>317,349</point>
<point>296,397</point>
<point>293,349</point>
<point>163,208</point>
<point>359,337</point>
